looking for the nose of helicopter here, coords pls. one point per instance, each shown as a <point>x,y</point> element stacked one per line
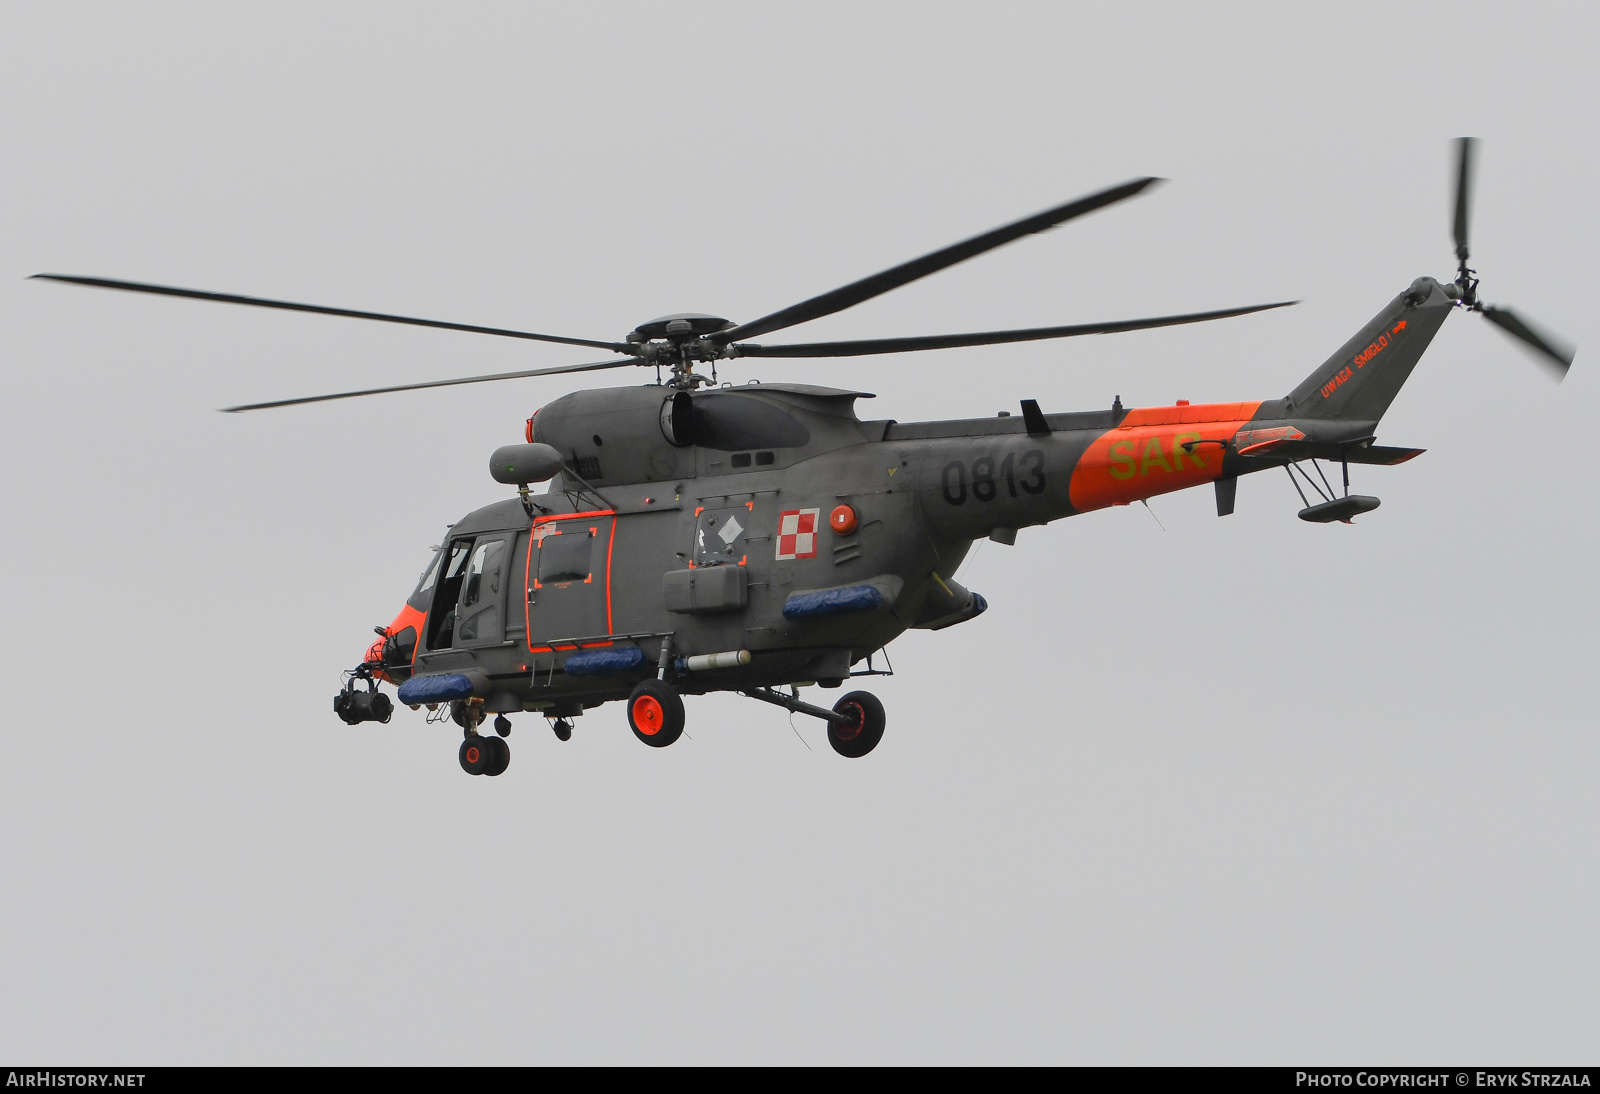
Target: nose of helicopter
<point>396,646</point>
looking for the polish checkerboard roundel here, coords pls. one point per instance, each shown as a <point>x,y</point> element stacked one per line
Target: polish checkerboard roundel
<point>797,533</point>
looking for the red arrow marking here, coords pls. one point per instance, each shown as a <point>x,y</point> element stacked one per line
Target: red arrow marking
<point>1399,326</point>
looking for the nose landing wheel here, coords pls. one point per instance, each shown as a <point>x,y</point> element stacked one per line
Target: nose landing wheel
<point>474,754</point>
<point>484,755</point>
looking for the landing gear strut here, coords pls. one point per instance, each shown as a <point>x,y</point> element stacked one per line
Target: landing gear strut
<point>855,724</point>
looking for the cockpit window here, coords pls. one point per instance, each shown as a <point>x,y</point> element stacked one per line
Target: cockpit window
<point>458,557</point>
<point>419,598</point>
<point>442,617</point>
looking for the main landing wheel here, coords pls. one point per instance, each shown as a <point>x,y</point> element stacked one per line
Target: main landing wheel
<point>655,712</point>
<point>862,733</point>
<point>475,754</point>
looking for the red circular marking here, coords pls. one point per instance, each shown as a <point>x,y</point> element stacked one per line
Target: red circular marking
<point>648,716</point>
<point>850,730</point>
<point>473,754</point>
<point>842,520</point>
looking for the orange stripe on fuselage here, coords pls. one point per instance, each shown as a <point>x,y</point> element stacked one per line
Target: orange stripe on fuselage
<point>1144,456</point>
<point>609,545</point>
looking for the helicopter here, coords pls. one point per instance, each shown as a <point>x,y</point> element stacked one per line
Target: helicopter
<point>758,538</point>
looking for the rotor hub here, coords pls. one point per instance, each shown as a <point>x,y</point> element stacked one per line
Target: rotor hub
<point>679,342</point>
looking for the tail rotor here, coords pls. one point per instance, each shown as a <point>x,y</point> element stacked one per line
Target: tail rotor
<point>1549,351</point>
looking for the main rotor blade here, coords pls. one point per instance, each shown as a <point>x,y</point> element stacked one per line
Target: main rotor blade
<point>868,287</point>
<point>988,338</point>
<point>1464,154</point>
<point>591,366</point>
<point>1552,352</point>
<point>317,309</point>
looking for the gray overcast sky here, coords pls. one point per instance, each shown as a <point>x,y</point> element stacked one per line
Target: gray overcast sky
<point>1243,790</point>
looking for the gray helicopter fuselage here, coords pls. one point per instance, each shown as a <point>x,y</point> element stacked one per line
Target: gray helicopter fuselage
<point>713,546</point>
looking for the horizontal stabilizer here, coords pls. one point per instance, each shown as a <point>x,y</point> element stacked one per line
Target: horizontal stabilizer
<point>1386,455</point>
<point>1286,451</point>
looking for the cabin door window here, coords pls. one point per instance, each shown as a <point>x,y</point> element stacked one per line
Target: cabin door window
<point>568,593</point>
<point>719,536</point>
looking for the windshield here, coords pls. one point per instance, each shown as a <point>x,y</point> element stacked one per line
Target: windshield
<point>419,598</point>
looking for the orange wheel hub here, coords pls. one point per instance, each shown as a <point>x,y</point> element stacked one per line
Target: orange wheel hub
<point>648,715</point>
<point>473,754</point>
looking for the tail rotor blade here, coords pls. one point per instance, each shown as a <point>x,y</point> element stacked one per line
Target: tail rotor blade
<point>1465,147</point>
<point>1551,352</point>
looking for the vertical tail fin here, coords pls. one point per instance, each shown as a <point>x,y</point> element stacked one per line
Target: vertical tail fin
<point>1360,381</point>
